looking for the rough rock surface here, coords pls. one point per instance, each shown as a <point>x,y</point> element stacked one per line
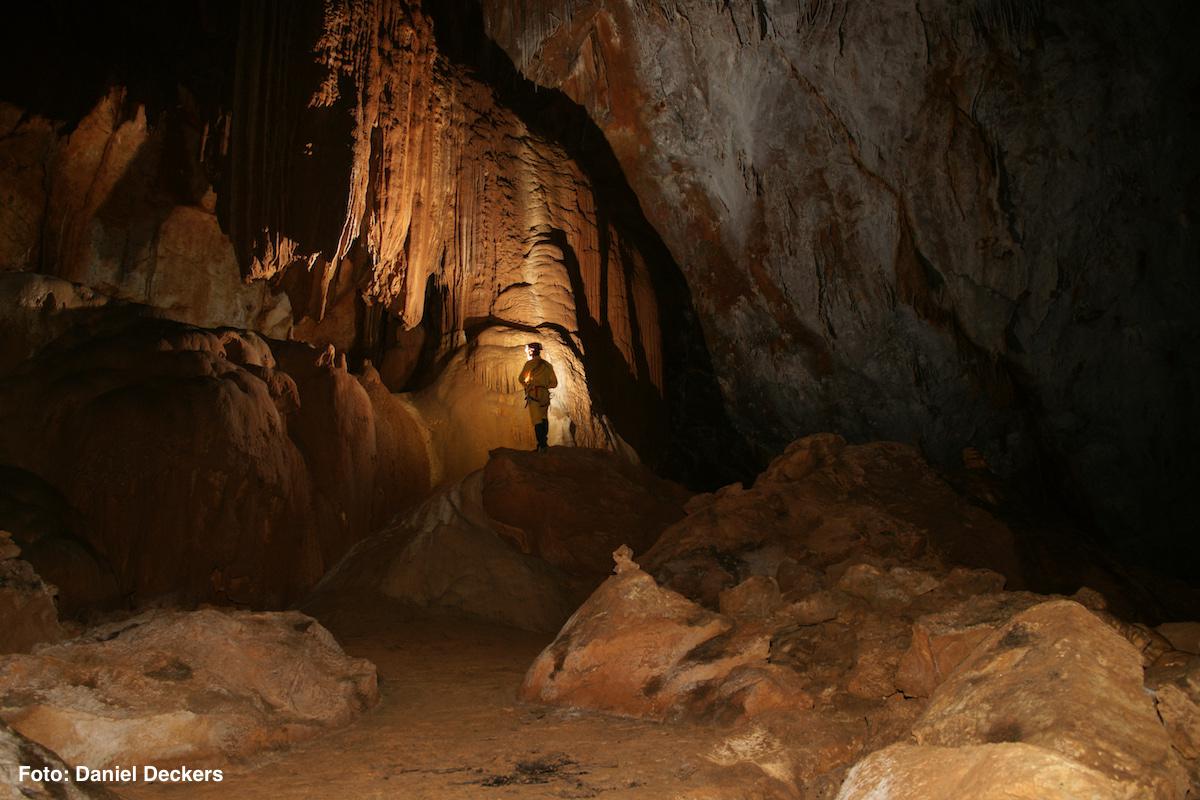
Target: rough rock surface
<point>1176,690</point>
<point>184,687</point>
<point>817,509</point>
<point>209,464</point>
<point>1057,677</point>
<point>1007,771</point>
<point>28,614</point>
<point>17,751</point>
<point>814,612</point>
<point>958,223</point>
<point>514,542</point>
<point>89,205</point>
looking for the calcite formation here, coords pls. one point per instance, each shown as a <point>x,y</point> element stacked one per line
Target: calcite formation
<point>437,208</point>
<point>210,465</point>
<point>169,688</point>
<point>958,223</point>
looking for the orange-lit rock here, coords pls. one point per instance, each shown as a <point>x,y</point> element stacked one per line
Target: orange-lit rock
<point>1009,771</point>
<point>637,649</point>
<point>184,688</point>
<point>573,507</point>
<point>16,751</point>
<point>1058,678</point>
<point>943,640</point>
<point>87,206</point>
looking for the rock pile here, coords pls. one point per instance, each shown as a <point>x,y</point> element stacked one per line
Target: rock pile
<point>170,688</point>
<point>818,611</point>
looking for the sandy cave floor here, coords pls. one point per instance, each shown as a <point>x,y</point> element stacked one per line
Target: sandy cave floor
<point>449,725</point>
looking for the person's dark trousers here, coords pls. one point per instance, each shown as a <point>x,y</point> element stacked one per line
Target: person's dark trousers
<point>542,431</point>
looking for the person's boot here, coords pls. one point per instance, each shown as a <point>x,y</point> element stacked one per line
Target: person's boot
<point>542,448</point>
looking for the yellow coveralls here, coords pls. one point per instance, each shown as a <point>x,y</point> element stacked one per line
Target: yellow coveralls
<point>538,378</point>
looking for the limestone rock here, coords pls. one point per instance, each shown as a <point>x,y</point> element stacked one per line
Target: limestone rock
<point>757,596</point>
<point>211,465</point>
<point>636,649</point>
<point>17,751</point>
<point>1177,697</point>
<point>517,542</point>
<point>1056,677</point>
<point>184,688</point>
<point>1005,771</point>
<point>446,554</point>
<point>28,614</point>
<point>1184,636</point>
<point>942,641</point>
<point>825,504</point>
<point>573,507</point>
<point>869,203</point>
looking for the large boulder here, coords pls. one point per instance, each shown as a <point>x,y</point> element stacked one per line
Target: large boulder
<point>515,542</point>
<point>172,688</point>
<point>1057,677</point>
<point>208,464</point>
<point>16,751</point>
<point>1006,771</point>
<point>639,650</point>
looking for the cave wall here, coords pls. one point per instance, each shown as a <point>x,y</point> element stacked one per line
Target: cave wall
<point>956,224</point>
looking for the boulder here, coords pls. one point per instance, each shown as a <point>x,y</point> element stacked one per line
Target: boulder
<point>1183,636</point>
<point>446,555</point>
<point>639,650</point>
<point>171,688</point>
<point>208,465</point>
<point>16,751</point>
<point>942,641</point>
<point>515,542</point>
<point>1057,677</point>
<point>28,614</point>
<point>1177,697</point>
<point>573,507</point>
<point>1006,771</point>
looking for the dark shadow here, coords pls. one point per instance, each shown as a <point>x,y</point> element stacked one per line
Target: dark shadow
<point>701,447</point>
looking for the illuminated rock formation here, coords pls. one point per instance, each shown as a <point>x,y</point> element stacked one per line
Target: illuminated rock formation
<point>944,223</point>
<point>210,465</point>
<point>126,693</point>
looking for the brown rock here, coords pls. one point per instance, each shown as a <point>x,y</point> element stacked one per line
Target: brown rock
<point>178,687</point>
<point>639,650</point>
<point>1184,636</point>
<point>1177,697</point>
<point>573,507</point>
<point>815,608</point>
<point>942,641</point>
<point>16,751</point>
<point>823,504</point>
<point>1057,677</point>
<point>1010,771</point>
<point>138,429</point>
<point>447,554</point>
<point>28,614</point>
<point>757,597</point>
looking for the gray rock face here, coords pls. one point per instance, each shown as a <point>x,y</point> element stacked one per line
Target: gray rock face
<point>951,223</point>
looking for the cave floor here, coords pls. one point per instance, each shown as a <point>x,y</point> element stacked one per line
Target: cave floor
<point>449,725</point>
